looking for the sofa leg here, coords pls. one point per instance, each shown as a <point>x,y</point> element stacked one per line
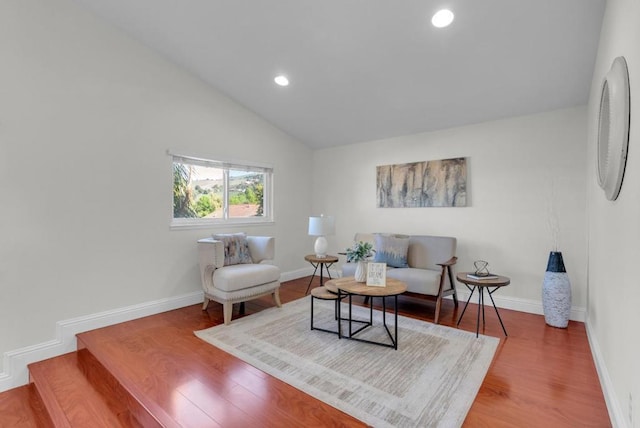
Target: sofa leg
<point>455,298</point>
<point>276,297</point>
<point>437,314</point>
<point>453,286</point>
<point>227,310</point>
<point>205,304</point>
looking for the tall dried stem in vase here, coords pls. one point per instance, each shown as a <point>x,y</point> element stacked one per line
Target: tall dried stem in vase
<point>552,216</point>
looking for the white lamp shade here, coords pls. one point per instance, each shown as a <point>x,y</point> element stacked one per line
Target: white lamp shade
<point>322,226</point>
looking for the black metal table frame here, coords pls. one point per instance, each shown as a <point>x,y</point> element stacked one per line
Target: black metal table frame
<point>326,265</point>
<point>393,338</point>
<point>472,288</point>
<point>337,300</point>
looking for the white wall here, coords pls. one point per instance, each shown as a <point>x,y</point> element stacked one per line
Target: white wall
<point>511,166</point>
<point>86,117</point>
<point>614,229</point>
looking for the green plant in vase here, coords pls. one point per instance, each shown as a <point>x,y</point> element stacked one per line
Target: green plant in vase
<point>359,253</point>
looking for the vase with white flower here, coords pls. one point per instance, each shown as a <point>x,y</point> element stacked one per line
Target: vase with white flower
<point>359,253</point>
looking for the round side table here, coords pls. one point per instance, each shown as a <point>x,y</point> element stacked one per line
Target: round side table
<point>321,262</point>
<point>492,284</point>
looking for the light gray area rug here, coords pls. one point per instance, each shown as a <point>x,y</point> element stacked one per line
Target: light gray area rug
<point>430,381</point>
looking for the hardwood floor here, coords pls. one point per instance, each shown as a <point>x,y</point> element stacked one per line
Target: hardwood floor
<point>540,377</point>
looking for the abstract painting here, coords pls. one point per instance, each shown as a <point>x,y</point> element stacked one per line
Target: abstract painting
<point>436,183</point>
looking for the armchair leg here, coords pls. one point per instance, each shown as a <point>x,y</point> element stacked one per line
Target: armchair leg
<point>276,297</point>
<point>205,304</point>
<point>227,310</point>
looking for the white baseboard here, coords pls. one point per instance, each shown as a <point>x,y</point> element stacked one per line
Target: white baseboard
<point>513,303</point>
<point>295,274</point>
<point>15,362</point>
<point>15,372</point>
<point>307,271</point>
<point>618,419</point>
<point>521,305</point>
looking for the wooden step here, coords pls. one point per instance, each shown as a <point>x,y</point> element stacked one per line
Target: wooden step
<point>22,407</point>
<point>146,390</point>
<point>70,398</point>
<point>112,380</point>
<point>186,380</point>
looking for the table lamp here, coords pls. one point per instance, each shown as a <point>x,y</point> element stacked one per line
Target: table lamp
<point>321,226</point>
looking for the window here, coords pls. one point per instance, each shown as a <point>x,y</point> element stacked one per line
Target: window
<point>207,192</point>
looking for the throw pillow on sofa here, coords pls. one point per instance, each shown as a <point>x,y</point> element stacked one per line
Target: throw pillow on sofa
<point>392,250</point>
<point>236,248</point>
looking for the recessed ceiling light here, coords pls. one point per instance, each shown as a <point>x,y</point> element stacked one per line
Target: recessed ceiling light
<point>442,18</point>
<point>281,80</point>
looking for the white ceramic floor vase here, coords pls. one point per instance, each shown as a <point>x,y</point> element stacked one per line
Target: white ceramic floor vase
<point>556,292</point>
<point>361,272</point>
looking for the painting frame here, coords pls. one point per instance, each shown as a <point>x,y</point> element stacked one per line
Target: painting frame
<point>433,183</point>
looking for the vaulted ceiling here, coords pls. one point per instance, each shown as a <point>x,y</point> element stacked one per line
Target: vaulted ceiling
<point>362,70</point>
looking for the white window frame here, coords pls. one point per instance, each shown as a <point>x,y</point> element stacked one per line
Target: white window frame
<point>225,165</point>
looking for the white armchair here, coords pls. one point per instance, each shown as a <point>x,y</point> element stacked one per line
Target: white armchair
<point>238,283</point>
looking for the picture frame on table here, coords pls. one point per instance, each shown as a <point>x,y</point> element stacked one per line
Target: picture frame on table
<point>376,274</point>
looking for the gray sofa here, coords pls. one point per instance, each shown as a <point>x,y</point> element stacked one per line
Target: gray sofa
<point>429,275</point>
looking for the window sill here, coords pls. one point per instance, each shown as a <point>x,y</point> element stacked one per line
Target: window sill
<point>212,224</point>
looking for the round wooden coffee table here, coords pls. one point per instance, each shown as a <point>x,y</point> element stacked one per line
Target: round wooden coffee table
<point>491,285</point>
<point>349,287</point>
